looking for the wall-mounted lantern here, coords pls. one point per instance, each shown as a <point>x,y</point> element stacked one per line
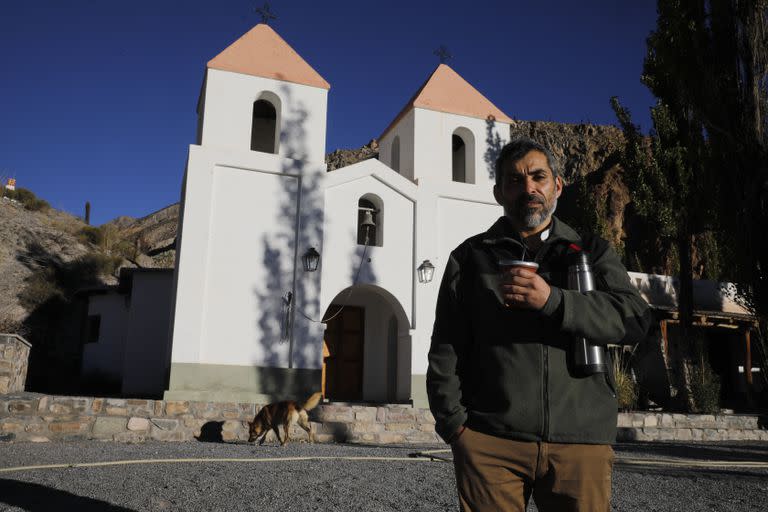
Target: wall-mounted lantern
<point>311,259</point>
<point>425,271</point>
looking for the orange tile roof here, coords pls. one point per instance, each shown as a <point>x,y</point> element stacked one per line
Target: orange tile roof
<point>262,52</point>
<point>446,91</point>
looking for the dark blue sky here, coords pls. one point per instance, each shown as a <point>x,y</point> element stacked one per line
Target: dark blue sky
<point>98,97</point>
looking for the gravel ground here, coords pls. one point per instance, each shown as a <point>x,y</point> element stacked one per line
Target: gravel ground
<point>343,484</point>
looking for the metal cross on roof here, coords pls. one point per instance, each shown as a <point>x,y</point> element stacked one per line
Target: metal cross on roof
<point>266,13</point>
<point>442,54</point>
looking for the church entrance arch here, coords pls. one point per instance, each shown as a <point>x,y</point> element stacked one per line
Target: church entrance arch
<point>366,347</point>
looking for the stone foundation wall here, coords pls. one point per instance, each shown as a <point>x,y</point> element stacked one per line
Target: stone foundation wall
<point>691,427</point>
<point>14,361</point>
<point>42,418</point>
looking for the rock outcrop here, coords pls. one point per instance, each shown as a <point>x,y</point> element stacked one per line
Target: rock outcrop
<point>344,157</point>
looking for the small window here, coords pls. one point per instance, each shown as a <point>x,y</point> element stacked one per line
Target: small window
<point>370,221</point>
<point>396,153</point>
<point>92,329</point>
<point>459,159</point>
<point>463,156</point>
<point>264,127</point>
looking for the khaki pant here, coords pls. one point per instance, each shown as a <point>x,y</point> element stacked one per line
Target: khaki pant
<point>494,473</point>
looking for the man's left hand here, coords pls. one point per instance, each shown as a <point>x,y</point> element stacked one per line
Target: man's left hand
<point>523,288</point>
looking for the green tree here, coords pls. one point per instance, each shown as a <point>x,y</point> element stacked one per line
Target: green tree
<point>708,60</point>
<point>707,63</point>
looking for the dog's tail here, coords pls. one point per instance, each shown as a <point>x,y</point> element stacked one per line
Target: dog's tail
<point>312,401</point>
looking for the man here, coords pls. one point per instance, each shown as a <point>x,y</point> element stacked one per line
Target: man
<point>500,382</point>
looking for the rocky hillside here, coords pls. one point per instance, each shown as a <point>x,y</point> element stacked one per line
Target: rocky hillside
<point>589,157</point>
<point>153,237</point>
<point>344,157</point>
<point>30,243</point>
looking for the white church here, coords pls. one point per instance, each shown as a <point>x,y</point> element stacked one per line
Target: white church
<point>250,319</point>
<point>290,279</point>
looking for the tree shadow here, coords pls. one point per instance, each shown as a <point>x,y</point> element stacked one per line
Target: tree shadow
<point>493,146</point>
<point>35,497</point>
<point>743,451</point>
<point>289,292</point>
<point>210,432</point>
<point>360,271</point>
<point>56,312</point>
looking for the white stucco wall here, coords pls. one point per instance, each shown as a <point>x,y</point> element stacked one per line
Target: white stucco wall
<point>448,213</point>
<point>239,249</point>
<point>391,265</point>
<point>433,152</point>
<point>405,130</point>
<point>228,108</point>
<point>145,363</point>
<point>106,355</point>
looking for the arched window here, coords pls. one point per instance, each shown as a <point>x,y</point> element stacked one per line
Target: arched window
<point>264,127</point>
<point>396,153</point>
<point>459,159</point>
<point>370,221</point>
<point>463,156</point>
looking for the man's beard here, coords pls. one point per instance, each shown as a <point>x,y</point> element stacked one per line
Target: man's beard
<point>530,218</point>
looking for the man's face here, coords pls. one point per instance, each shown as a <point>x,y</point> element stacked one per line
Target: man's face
<point>528,191</point>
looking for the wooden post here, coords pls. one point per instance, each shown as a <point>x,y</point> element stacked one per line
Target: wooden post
<point>748,356</point>
<point>326,353</point>
<point>665,339</point>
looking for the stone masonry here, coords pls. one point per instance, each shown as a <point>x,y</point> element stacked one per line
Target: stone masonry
<point>42,418</point>
<point>14,360</point>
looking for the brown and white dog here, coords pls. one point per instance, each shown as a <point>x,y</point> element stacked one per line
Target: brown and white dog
<point>286,413</point>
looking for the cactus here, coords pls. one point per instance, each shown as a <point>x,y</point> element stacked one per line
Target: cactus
<point>88,212</point>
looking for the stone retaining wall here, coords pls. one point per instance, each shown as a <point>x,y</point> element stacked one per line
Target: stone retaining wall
<point>642,426</point>
<point>14,360</point>
<point>42,418</point>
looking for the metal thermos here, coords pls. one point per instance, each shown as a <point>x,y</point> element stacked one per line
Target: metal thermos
<point>588,359</point>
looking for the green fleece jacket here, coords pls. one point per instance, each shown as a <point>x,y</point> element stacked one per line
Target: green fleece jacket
<point>507,372</point>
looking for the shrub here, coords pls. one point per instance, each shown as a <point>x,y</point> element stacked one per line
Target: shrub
<point>39,288</point>
<point>9,325</point>
<point>626,387</point>
<point>91,235</point>
<point>125,249</point>
<point>27,198</point>
<point>705,389</point>
<point>107,238</point>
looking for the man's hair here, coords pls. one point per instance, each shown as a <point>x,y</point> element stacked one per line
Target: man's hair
<point>517,149</point>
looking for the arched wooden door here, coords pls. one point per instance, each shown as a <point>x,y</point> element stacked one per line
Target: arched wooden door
<point>343,364</point>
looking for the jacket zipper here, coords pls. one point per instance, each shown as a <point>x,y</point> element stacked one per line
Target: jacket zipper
<point>546,394</point>
<point>545,363</point>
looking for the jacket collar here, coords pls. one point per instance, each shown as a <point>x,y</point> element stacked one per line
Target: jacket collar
<point>502,232</point>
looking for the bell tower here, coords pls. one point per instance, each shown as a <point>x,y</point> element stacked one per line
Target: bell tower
<point>251,207</point>
<point>447,132</point>
<point>260,95</point>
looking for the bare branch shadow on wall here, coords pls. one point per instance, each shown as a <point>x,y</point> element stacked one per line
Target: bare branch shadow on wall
<point>279,306</point>
<point>361,270</point>
<point>493,143</point>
